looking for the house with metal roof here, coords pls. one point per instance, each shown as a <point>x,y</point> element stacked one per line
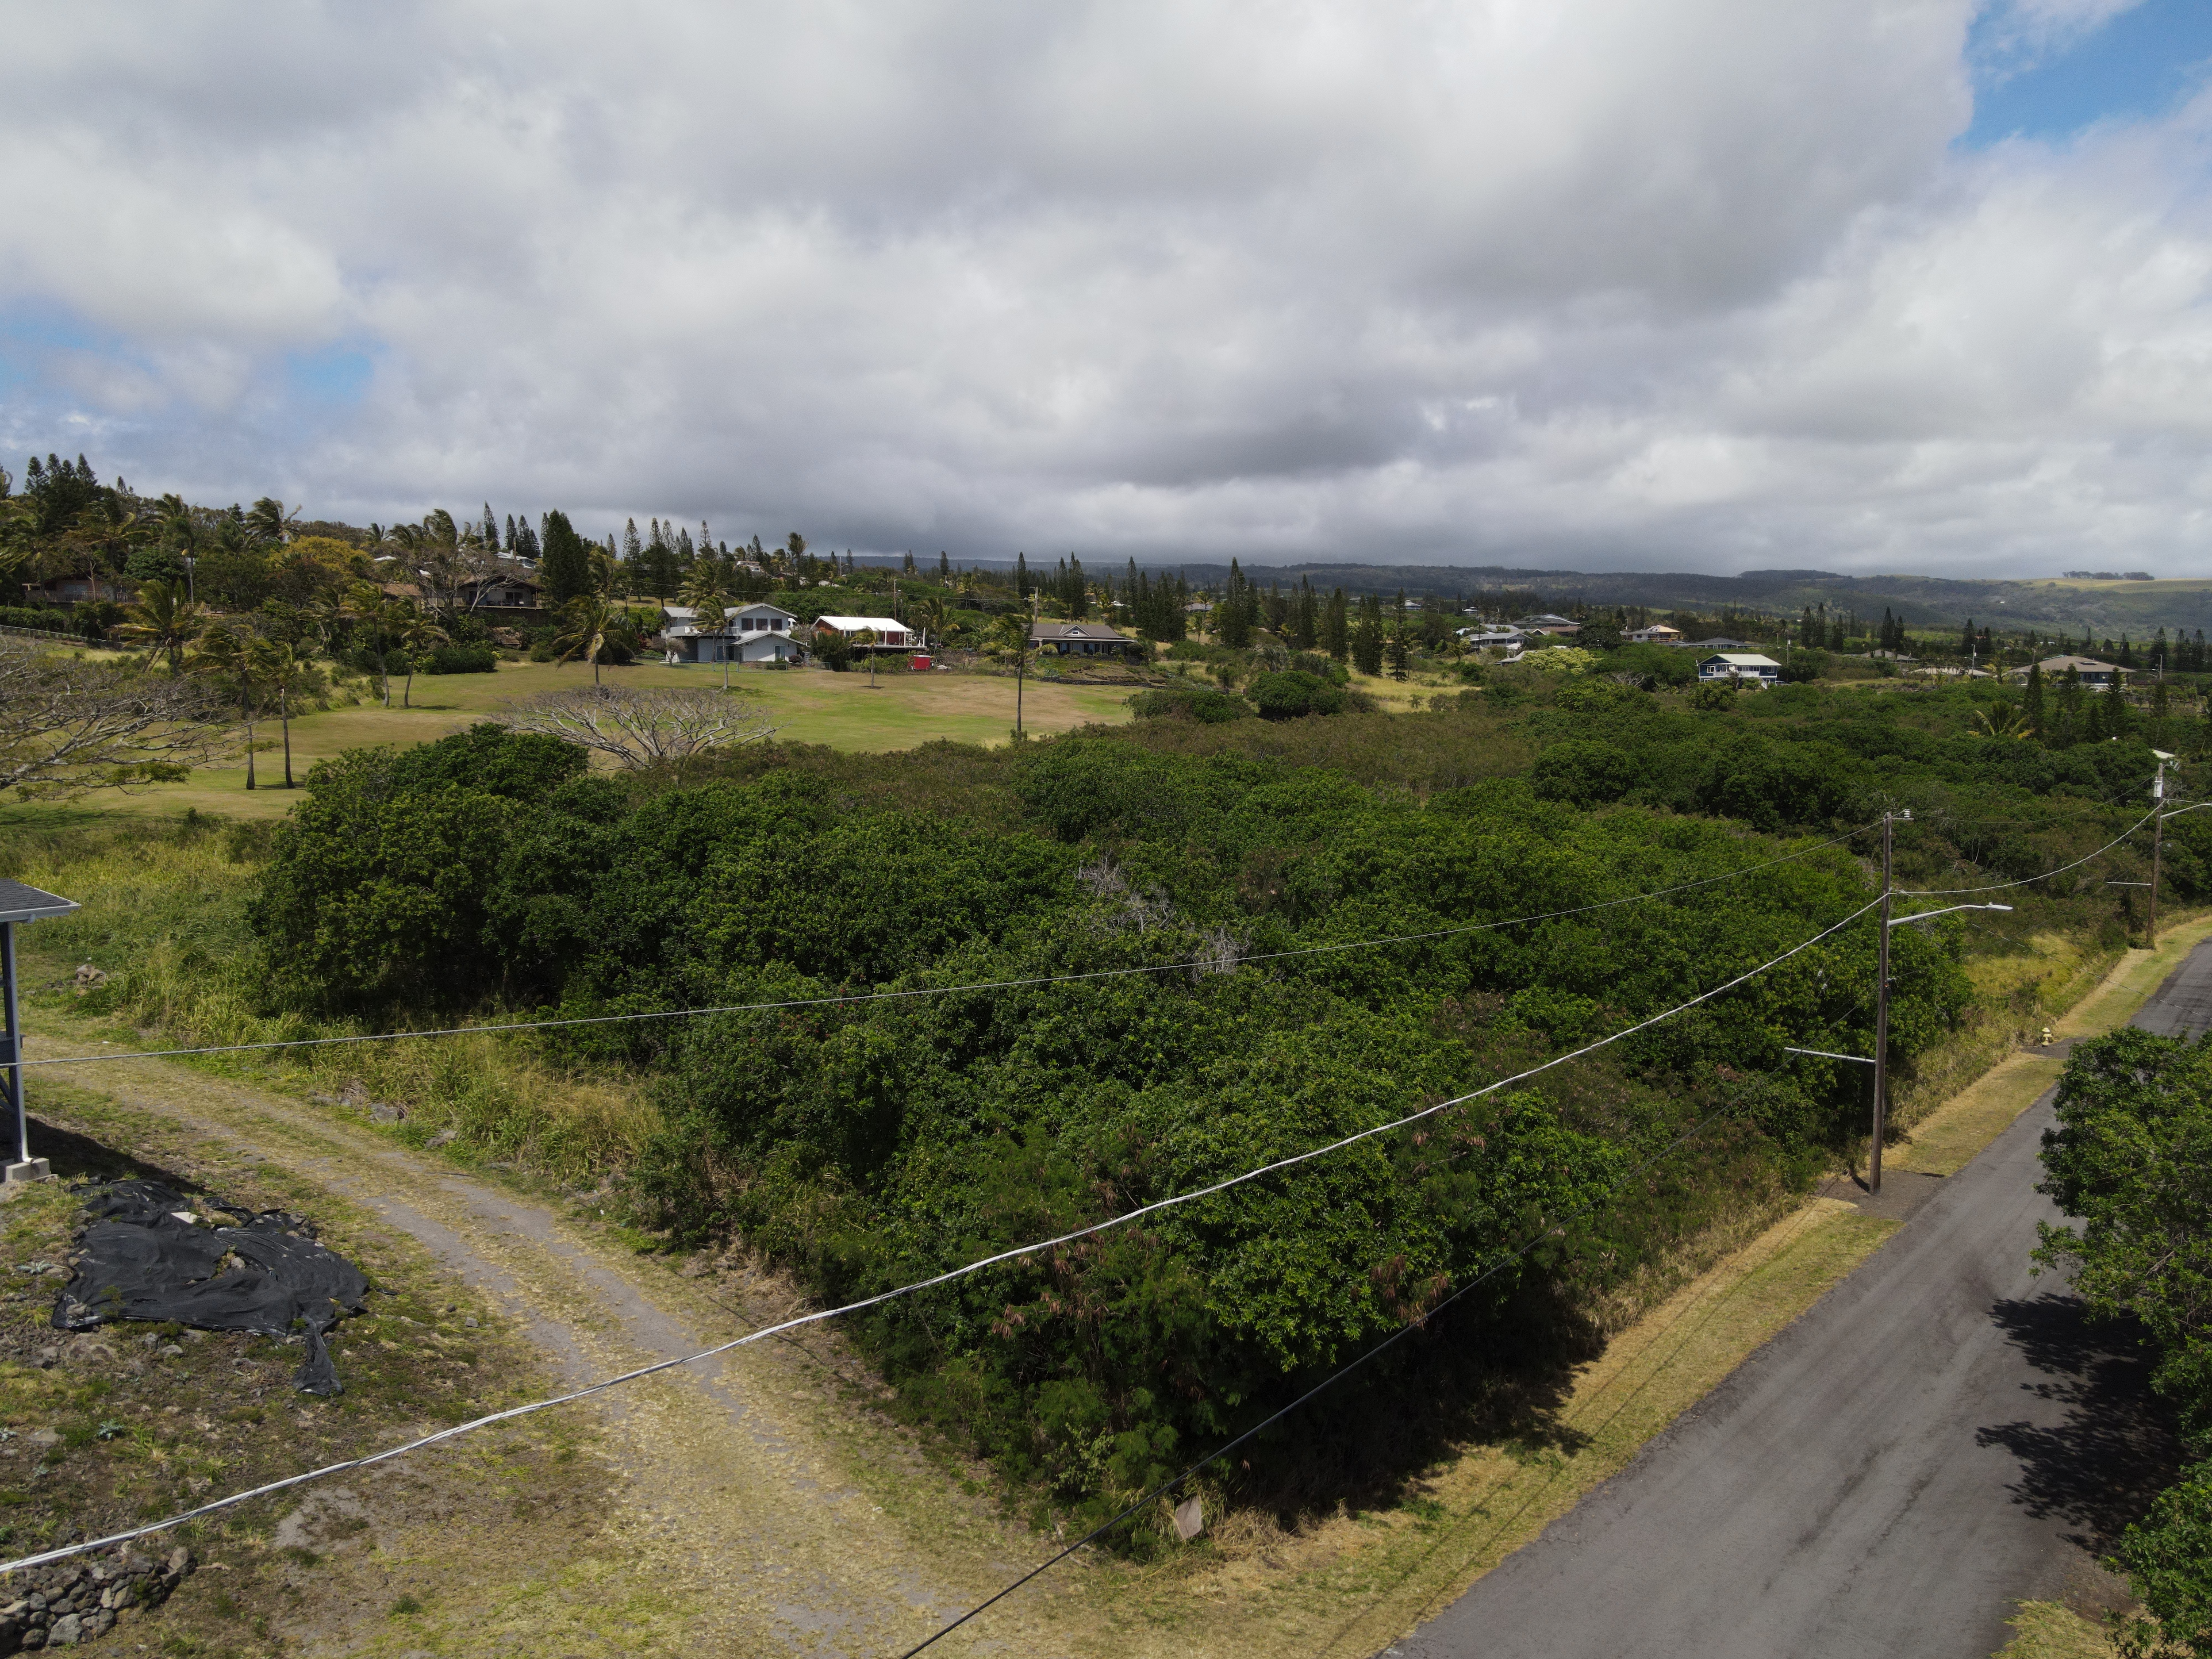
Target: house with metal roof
<point>749,633</point>
<point>2097,675</point>
<point>1492,639</point>
<point>1744,667</point>
<point>1082,639</point>
<point>889,633</point>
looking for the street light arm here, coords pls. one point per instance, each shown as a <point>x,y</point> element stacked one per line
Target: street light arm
<point>1945,911</point>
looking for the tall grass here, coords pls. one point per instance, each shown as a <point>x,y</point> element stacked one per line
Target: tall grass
<point>164,917</point>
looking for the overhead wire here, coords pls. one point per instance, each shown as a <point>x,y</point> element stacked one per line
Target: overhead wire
<point>1168,1485</point>
<point>934,1280</point>
<point>840,999</point>
<point>1998,887</point>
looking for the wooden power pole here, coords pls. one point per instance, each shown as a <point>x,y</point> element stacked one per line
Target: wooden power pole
<point>1880,1022</point>
<point>2157,845</point>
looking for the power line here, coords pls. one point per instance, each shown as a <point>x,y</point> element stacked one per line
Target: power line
<point>933,1282</point>
<point>1327,1382</point>
<point>1200,963</point>
<point>1996,886</point>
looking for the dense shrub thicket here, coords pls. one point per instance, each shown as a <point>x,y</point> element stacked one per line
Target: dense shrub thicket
<point>867,1145</point>
<point>2131,1160</point>
<point>864,1144</point>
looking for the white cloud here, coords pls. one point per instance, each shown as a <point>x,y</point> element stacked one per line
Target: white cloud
<point>1590,280</point>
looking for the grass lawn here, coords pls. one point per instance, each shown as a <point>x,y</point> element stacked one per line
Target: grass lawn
<point>809,705</point>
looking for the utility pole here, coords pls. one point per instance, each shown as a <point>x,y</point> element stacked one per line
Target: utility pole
<point>1880,1022</point>
<point>2157,841</point>
<point>18,903</point>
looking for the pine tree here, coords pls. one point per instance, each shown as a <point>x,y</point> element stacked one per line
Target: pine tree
<point>1367,636</point>
<point>2030,701</point>
<point>1968,640</point>
<point>1398,651</point>
<point>1305,622</point>
<point>1022,577</point>
<point>1336,627</point>
<point>2069,719</point>
<point>1232,615</point>
<point>564,567</point>
<point>943,568</point>
<point>632,545</point>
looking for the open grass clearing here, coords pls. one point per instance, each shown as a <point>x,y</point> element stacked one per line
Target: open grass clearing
<point>808,705</point>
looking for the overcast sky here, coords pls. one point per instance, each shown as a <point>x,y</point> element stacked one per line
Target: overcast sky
<point>1871,285</point>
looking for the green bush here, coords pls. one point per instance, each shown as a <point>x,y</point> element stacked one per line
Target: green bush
<point>2131,1161</point>
<point>1583,774</point>
<point>1188,701</point>
<point>461,659</point>
<point>1287,694</point>
<point>866,1144</point>
<point>51,620</point>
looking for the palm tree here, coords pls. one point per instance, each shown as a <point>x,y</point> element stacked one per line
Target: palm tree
<point>417,633</point>
<point>270,522</point>
<point>707,590</point>
<point>104,534</point>
<point>381,616</point>
<point>227,651</point>
<point>278,667</point>
<point>931,613</point>
<point>164,621</point>
<point>1010,637</point>
<point>181,532</point>
<point>586,621</point>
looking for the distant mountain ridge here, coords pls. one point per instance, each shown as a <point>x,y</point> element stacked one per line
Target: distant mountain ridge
<point>2130,604</point>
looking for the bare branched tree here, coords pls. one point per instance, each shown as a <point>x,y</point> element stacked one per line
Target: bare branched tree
<point>67,726</point>
<point>639,728</point>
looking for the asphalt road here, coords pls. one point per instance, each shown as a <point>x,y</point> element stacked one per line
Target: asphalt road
<point>1941,1437</point>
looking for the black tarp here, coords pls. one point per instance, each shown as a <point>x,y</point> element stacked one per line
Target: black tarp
<point>138,1259</point>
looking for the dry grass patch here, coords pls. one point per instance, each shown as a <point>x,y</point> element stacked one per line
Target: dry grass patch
<point>2051,1630</point>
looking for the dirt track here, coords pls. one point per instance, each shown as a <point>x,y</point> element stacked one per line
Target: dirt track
<point>756,1506</point>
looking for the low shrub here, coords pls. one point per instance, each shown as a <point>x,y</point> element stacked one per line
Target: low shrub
<point>459,660</point>
<point>51,620</point>
<point>1287,694</point>
<point>1189,702</point>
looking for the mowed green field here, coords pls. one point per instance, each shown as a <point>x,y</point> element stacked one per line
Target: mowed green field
<point>808,705</point>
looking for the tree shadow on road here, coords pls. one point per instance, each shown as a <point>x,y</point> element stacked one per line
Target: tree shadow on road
<point>2098,1467</point>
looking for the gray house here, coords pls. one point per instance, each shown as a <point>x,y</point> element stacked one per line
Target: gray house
<point>1082,639</point>
<point>749,633</point>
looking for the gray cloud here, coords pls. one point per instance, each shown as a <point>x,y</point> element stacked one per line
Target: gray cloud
<point>1592,281</point>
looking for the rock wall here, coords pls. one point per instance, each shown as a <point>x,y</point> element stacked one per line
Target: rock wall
<point>77,1601</point>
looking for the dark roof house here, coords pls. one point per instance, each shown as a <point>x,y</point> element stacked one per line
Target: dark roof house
<point>1082,639</point>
